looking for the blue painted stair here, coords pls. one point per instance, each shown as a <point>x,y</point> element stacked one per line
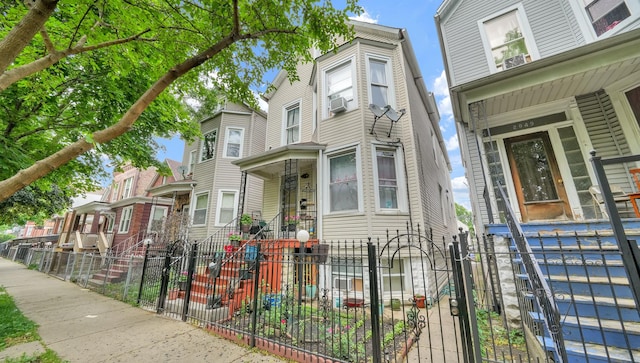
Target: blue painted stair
<point>583,267</point>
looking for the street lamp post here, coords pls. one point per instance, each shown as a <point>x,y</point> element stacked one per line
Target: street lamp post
<point>302,236</point>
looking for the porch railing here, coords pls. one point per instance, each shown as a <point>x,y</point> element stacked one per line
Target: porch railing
<point>542,294</point>
<point>629,248</point>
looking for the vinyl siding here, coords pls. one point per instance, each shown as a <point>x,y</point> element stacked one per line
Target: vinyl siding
<point>552,23</point>
<point>606,135</point>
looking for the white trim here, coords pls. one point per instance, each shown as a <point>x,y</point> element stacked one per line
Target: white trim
<point>326,178</point>
<point>529,40</point>
<point>153,211</point>
<point>206,209</point>
<point>584,21</point>
<point>391,94</point>
<point>285,113</point>
<point>226,142</point>
<point>401,192</point>
<point>628,123</point>
<point>352,104</point>
<point>123,214</point>
<point>219,205</point>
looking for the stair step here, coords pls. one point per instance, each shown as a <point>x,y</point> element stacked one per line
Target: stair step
<point>577,351</point>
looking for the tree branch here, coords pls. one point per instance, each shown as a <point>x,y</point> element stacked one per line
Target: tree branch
<point>10,77</point>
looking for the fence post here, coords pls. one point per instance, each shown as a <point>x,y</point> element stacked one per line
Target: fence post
<point>256,294</point>
<point>460,301</point>
<point>376,340</point>
<point>127,281</point>
<point>191,267</point>
<point>144,270</point>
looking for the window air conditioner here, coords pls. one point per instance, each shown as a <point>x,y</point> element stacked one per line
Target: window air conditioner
<point>343,283</point>
<point>514,61</point>
<point>338,105</point>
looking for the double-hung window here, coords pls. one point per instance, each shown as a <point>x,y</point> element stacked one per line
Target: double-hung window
<point>209,145</point>
<point>233,142</point>
<point>156,220</point>
<point>125,220</point>
<point>116,189</point>
<point>192,161</point>
<point>126,190</point>
<point>339,83</point>
<point>604,15</point>
<point>343,181</point>
<point>292,123</point>
<point>380,81</point>
<point>200,211</point>
<point>226,206</point>
<point>388,179</point>
<point>506,37</point>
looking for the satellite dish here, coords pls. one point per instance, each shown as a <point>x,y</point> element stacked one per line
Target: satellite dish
<point>182,169</point>
<point>377,113</point>
<point>394,116</point>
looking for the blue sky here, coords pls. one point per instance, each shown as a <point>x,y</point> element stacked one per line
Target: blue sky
<point>417,17</point>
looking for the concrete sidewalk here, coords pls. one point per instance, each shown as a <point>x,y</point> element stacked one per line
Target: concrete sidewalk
<point>83,326</point>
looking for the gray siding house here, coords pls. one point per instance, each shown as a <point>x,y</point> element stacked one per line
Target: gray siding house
<point>535,86</point>
<point>354,149</point>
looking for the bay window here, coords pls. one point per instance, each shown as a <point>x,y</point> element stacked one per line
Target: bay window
<point>200,210</point>
<point>380,81</point>
<point>226,206</point>
<point>233,142</point>
<point>339,83</point>
<point>208,145</point>
<point>343,181</point>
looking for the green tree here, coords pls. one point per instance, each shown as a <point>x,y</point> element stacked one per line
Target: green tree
<point>106,76</point>
<point>465,216</point>
<point>33,204</point>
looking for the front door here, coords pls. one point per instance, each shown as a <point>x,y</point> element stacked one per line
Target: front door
<point>536,177</point>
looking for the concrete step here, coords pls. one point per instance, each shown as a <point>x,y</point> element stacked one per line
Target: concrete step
<point>578,351</point>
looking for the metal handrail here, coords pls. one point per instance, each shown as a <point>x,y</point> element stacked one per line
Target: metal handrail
<point>541,291</point>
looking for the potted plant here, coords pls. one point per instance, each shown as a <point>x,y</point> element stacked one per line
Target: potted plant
<point>234,238</point>
<point>396,304</point>
<point>291,222</point>
<point>420,300</point>
<point>182,280</point>
<point>245,222</point>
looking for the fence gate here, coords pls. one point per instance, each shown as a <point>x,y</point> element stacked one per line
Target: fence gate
<point>164,271</point>
<point>417,277</point>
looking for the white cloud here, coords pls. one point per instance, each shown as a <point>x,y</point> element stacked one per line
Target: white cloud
<point>459,183</point>
<point>441,90</point>
<point>365,17</point>
<point>452,143</point>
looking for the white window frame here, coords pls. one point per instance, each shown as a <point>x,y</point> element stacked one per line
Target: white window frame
<point>165,212</point>
<point>584,20</point>
<point>221,194</point>
<point>206,209</point>
<point>227,136</point>
<point>386,274</point>
<point>285,115</point>
<point>202,145</point>
<point>116,189</point>
<point>127,188</point>
<point>352,103</point>
<point>355,148</point>
<point>401,190</point>
<point>192,161</point>
<point>125,219</point>
<point>388,69</point>
<point>527,34</point>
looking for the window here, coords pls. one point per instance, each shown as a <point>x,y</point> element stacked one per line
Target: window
<point>633,96</point>
<point>380,90</point>
<point>339,83</point>
<point>158,215</point>
<point>346,273</point>
<point>116,189</point>
<point>392,276</point>
<point>343,182</point>
<point>126,190</point>
<point>125,220</point>
<point>387,181</point>
<point>233,142</point>
<point>209,145</point>
<point>192,161</point>
<point>292,123</point>
<point>226,207</point>
<point>506,38</point>
<point>200,211</point>
<point>604,15</point>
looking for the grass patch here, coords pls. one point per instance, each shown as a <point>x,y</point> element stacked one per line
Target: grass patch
<point>15,328</point>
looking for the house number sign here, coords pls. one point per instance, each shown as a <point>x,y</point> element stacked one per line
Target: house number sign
<point>526,124</point>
